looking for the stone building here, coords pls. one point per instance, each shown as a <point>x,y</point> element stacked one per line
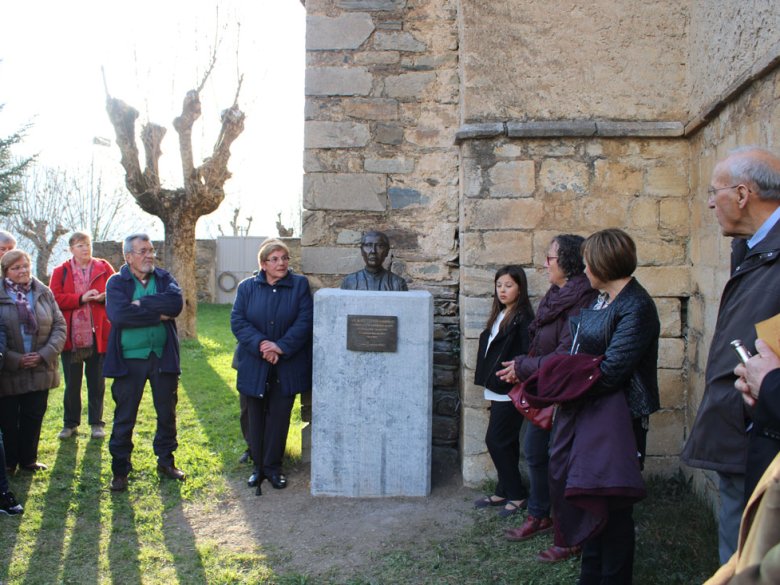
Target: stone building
<point>472,131</point>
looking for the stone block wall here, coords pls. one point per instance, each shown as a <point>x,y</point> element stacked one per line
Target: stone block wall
<point>381,113</point>
<point>518,193</point>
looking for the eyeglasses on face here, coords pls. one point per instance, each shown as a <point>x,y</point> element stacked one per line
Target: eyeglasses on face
<point>712,191</point>
<point>278,259</point>
<point>144,252</point>
<point>551,258</point>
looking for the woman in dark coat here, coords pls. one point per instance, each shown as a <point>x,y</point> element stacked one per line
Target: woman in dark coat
<point>505,335</point>
<point>35,332</point>
<point>601,426</point>
<point>272,320</point>
<point>570,291</point>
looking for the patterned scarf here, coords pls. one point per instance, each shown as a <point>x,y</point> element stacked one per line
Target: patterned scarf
<point>81,334</point>
<point>19,294</point>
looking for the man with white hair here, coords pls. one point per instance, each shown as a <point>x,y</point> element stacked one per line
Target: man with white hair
<point>745,196</point>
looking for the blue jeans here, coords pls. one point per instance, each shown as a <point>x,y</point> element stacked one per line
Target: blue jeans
<point>537,454</point>
<point>732,503</point>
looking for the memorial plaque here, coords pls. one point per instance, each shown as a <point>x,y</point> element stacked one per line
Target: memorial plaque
<point>372,333</point>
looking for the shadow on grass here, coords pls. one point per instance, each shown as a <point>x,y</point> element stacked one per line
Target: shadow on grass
<point>123,546</point>
<point>46,557</point>
<point>179,535</point>
<point>10,527</point>
<point>79,564</point>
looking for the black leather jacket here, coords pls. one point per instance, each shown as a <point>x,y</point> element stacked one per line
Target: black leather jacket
<point>511,341</point>
<point>626,332</point>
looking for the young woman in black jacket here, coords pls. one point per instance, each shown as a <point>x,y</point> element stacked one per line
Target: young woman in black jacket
<point>505,336</point>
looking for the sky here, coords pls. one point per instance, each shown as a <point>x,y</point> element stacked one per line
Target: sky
<point>51,55</point>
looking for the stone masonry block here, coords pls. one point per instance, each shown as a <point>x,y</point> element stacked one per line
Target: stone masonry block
<point>668,281</point>
<point>408,85</point>
<point>675,215</point>
<point>372,109</point>
<point>656,252</point>
<point>389,165</point>
<point>502,214</point>
<point>338,81</point>
<point>643,213</point>
<point>330,260</point>
<point>347,31</point>
<point>551,128</point>
<point>371,5</point>
<point>671,385</point>
<point>671,352</point>
<point>474,426</point>
<point>476,281</point>
<point>377,58</point>
<point>614,176</point>
<point>667,180</point>
<point>496,248</point>
<point>559,175</point>
<point>389,134</point>
<point>358,192</point>
<point>473,396</point>
<point>513,179</point>
<point>335,134</point>
<point>665,436</point>
<point>669,314</point>
<point>474,312</point>
<point>397,41</point>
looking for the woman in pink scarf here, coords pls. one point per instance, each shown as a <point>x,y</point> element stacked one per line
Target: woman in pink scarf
<point>79,286</point>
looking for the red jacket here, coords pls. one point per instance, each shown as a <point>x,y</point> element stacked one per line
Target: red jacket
<point>62,286</point>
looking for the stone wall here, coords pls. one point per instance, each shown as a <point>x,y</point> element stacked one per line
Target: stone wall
<point>381,112</point>
<point>535,59</point>
<point>727,38</point>
<point>519,193</point>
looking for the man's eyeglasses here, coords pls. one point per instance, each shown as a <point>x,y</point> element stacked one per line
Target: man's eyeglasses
<point>712,191</point>
<point>144,252</point>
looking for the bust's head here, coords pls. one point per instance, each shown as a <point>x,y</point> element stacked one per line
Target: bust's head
<point>374,247</point>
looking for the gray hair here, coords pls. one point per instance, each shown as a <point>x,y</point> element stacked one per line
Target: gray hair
<point>7,237</point>
<point>128,245</point>
<point>757,169</point>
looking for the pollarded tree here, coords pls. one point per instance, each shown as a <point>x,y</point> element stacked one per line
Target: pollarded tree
<point>180,208</point>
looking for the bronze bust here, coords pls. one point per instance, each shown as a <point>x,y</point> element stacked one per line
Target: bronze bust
<point>374,247</point>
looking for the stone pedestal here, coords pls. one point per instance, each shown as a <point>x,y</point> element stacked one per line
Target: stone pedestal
<point>371,410</point>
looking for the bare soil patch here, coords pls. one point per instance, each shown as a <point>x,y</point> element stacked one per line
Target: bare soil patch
<point>339,536</point>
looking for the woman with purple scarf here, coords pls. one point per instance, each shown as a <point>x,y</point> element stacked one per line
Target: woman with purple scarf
<point>79,287</point>
<point>35,331</point>
<point>550,333</point>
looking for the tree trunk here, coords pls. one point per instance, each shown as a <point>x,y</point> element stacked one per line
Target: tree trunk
<point>179,252</point>
<point>178,209</point>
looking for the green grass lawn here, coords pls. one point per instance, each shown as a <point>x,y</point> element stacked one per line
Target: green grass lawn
<point>74,530</point>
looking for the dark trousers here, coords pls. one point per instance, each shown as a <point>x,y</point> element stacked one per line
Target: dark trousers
<point>21,417</point>
<point>503,443</point>
<point>127,392</point>
<point>243,418</point>
<point>3,474</point>
<point>608,559</point>
<point>269,422</point>
<point>96,389</point>
<point>537,455</point>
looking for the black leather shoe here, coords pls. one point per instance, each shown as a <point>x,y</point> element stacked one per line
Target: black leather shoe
<point>255,479</point>
<point>278,480</point>
<point>171,472</point>
<point>118,483</point>
<point>245,456</point>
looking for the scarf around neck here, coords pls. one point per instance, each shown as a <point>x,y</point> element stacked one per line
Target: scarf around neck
<point>81,319</point>
<point>19,294</point>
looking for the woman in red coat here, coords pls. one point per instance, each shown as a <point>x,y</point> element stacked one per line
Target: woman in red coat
<point>79,287</point>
